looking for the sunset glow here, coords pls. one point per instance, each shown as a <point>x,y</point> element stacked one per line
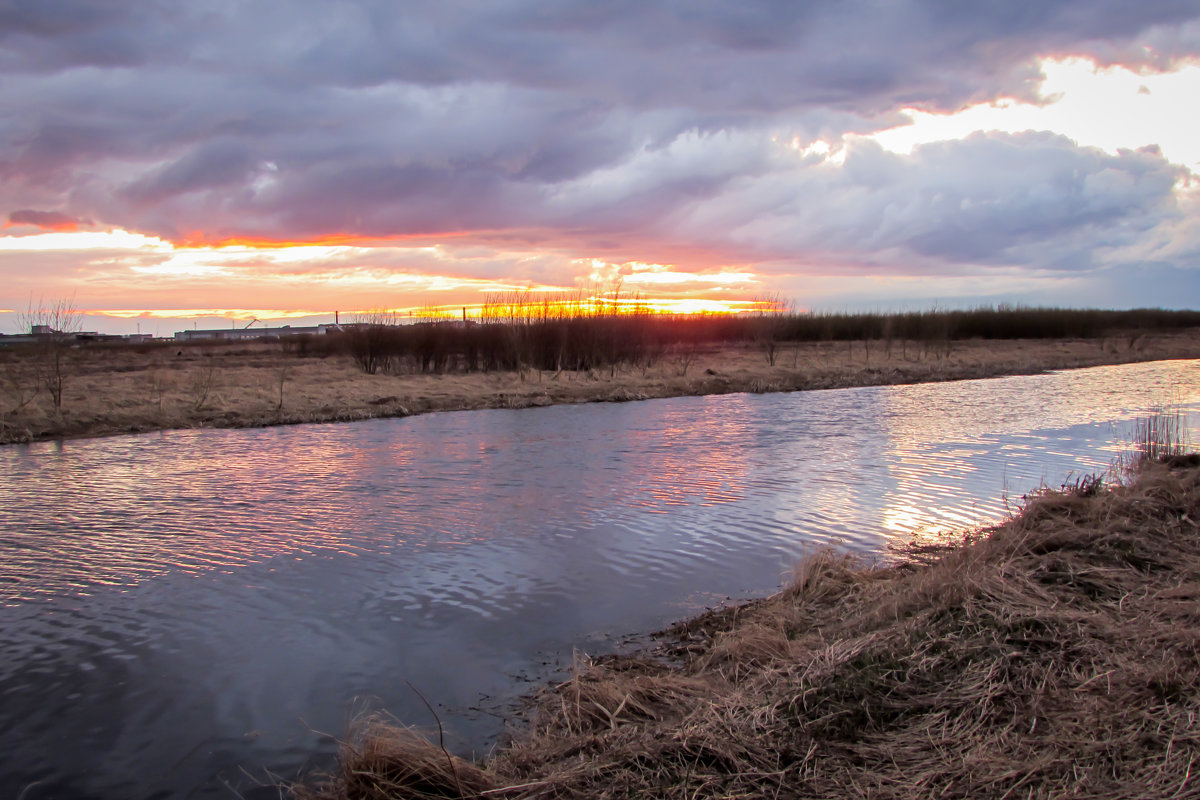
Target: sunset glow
<point>1038,161</point>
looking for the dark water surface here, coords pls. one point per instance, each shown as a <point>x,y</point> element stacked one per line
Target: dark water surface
<point>182,612</point>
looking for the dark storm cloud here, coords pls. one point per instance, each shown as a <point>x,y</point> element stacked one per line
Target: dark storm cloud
<point>602,124</point>
<point>46,35</point>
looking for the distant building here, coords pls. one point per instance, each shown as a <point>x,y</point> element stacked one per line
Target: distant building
<point>243,334</point>
<point>43,333</point>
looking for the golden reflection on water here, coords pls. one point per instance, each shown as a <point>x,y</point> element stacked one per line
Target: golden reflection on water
<point>1005,422</point>
<point>900,519</point>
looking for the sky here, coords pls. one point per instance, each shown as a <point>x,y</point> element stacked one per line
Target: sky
<point>167,165</point>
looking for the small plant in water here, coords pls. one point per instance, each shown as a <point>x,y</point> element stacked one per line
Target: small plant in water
<point>1161,434</point>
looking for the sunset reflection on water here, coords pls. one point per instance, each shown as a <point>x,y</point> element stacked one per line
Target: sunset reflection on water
<point>855,467</point>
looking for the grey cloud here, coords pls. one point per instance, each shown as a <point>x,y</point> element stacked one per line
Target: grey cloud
<point>385,199</point>
<point>983,197</point>
<point>1031,199</point>
<point>217,164</point>
<point>42,35</point>
<point>36,18</point>
<point>754,55</point>
<point>1128,286</point>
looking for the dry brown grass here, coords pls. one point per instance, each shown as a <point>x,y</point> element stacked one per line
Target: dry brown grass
<point>111,390</point>
<point>1057,655</point>
<point>384,760</point>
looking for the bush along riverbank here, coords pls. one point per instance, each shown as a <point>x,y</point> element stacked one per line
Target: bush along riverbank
<point>1055,655</point>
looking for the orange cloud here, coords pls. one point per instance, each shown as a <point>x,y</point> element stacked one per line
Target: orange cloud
<point>200,239</point>
<point>188,313</point>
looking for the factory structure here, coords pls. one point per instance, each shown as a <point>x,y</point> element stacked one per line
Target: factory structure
<point>40,334</point>
<point>242,334</point>
<point>250,332</point>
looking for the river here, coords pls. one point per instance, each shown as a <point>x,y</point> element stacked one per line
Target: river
<point>189,613</point>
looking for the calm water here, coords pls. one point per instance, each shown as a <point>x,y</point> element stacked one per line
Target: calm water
<point>182,612</point>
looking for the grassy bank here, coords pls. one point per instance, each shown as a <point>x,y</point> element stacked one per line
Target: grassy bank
<point>98,390</point>
<point>1056,655</point>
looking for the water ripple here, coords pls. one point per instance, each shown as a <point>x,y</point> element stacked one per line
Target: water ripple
<point>206,600</point>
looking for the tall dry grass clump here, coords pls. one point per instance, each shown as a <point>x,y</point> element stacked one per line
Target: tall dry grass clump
<point>382,760</point>
<point>1162,434</point>
<point>1159,435</point>
<point>1056,655</point>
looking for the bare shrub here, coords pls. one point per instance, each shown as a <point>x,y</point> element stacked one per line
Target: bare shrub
<point>15,386</point>
<point>282,375</point>
<point>54,325</point>
<point>685,356</point>
<point>160,384</point>
<point>202,381</point>
<point>372,340</point>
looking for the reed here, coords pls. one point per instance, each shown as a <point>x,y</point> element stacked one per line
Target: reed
<point>1162,434</point>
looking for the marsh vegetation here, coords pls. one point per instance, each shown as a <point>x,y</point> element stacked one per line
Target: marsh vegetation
<point>517,334</point>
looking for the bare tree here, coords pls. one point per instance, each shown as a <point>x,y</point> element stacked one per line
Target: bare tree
<point>54,325</point>
<point>771,310</point>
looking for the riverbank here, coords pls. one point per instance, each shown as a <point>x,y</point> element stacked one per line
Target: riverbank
<point>129,389</point>
<point>1053,655</point>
